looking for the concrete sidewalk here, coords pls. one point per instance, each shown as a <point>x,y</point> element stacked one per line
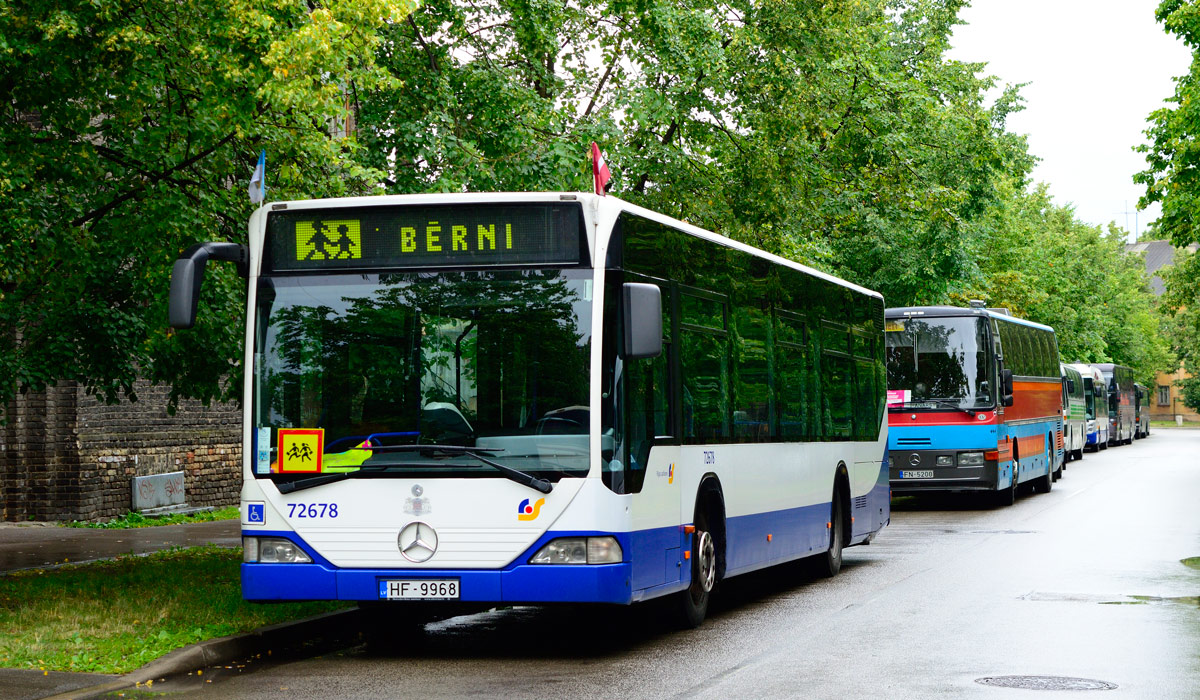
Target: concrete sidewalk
<point>41,545</point>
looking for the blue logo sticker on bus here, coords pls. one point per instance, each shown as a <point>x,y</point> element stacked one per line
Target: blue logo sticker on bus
<point>256,513</point>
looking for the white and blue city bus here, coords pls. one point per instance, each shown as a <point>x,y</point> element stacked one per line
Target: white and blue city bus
<point>538,398</point>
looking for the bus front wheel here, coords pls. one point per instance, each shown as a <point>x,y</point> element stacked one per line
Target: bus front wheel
<point>693,602</point>
<point>1008,496</point>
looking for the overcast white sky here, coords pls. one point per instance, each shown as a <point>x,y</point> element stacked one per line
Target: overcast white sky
<point>1096,70</point>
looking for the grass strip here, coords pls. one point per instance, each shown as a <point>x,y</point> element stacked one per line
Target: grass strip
<point>1171,424</point>
<point>132,520</point>
<point>116,616</point>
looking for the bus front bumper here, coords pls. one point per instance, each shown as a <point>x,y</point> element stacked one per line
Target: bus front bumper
<point>907,477</point>
<point>526,583</point>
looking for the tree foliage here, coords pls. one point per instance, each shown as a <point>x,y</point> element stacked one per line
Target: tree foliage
<point>1039,261</point>
<point>1172,178</point>
<point>835,133</point>
<point>129,130</point>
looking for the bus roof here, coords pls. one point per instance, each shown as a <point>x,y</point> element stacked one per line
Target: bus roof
<point>611,206</point>
<point>728,242</point>
<point>949,311</point>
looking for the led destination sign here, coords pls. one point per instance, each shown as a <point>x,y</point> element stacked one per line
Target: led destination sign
<point>424,236</point>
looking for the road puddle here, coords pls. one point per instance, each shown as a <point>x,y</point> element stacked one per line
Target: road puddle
<point>1050,597</point>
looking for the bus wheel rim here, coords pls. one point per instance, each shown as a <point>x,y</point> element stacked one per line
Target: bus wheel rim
<point>706,562</point>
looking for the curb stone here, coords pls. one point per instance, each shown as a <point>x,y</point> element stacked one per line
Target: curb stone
<point>301,637</point>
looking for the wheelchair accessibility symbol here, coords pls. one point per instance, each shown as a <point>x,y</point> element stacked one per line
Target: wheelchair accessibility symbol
<point>255,513</point>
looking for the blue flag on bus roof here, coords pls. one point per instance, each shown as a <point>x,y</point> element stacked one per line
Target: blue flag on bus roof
<point>258,187</point>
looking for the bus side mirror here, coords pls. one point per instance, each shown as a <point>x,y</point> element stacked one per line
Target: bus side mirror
<point>188,276</point>
<point>642,304</point>
<point>1071,386</point>
<point>1006,387</point>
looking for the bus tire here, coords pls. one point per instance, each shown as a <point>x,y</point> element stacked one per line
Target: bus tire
<point>1008,496</point>
<point>1043,484</point>
<point>830,563</point>
<point>1079,454</point>
<point>692,603</point>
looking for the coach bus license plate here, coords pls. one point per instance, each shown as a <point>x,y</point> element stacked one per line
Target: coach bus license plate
<point>917,474</point>
<point>420,589</point>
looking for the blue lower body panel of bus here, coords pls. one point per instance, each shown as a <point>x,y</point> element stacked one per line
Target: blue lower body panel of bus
<point>518,583</point>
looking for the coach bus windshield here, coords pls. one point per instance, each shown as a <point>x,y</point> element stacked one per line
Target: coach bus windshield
<point>382,363</point>
<point>939,363</point>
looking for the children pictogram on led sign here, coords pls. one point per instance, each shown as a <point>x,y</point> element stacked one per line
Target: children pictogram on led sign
<point>329,240</point>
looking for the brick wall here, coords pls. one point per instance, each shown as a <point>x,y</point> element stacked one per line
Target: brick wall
<point>66,456</point>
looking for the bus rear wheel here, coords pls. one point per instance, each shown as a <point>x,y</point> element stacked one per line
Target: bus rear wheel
<point>692,604</point>
<point>830,563</point>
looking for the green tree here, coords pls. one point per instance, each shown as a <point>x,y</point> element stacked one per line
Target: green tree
<point>1172,178</point>
<point>129,131</point>
<point>1039,261</point>
<point>836,133</point>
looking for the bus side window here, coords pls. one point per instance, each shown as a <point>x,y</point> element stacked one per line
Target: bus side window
<point>791,376</point>
<point>704,360</point>
<point>837,381</point>
<point>752,364</point>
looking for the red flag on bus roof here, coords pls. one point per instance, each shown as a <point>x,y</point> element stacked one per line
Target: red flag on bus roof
<point>600,174</point>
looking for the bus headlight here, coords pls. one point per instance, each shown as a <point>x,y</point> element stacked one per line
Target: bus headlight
<point>970,459</point>
<point>272,550</point>
<point>579,550</point>
<point>944,461</point>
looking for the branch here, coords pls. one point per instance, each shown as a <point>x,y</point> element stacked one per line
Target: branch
<point>164,175</point>
<point>666,139</point>
<point>604,79</point>
<point>428,53</point>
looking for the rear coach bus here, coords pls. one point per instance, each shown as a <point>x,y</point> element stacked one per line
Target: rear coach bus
<point>1121,398</point>
<point>974,401</point>
<point>536,398</point>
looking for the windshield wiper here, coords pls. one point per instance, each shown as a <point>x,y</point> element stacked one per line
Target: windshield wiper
<point>969,411</point>
<point>301,484</point>
<point>945,402</point>
<point>520,477</point>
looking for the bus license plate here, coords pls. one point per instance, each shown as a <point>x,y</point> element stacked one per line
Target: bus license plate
<point>917,474</point>
<point>420,589</point>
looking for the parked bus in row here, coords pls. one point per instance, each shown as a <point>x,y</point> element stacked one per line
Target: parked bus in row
<point>974,401</point>
<point>538,398</point>
<point>1121,399</point>
<point>1074,401</point>
<point>1141,412</point>
<point>1095,404</point>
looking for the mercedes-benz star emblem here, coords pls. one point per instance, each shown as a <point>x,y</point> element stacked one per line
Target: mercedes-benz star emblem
<point>914,459</point>
<point>417,541</point>
<point>417,490</point>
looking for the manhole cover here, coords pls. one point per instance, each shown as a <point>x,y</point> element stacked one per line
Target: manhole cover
<point>1045,683</point>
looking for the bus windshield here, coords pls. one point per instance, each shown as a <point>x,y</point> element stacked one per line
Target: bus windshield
<point>1090,394</point>
<point>497,361</point>
<point>939,363</point>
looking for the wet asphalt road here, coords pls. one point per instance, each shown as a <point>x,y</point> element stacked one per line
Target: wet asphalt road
<point>1083,582</point>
